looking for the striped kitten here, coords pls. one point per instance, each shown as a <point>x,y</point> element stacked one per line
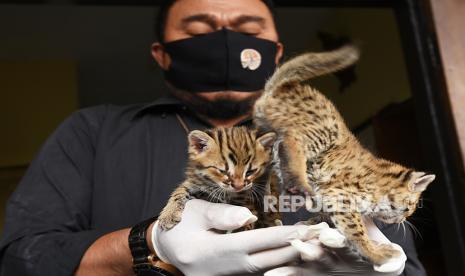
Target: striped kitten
<point>317,152</point>
<point>227,165</point>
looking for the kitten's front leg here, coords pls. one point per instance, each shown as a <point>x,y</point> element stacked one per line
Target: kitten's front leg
<point>272,218</point>
<point>350,223</point>
<point>172,212</point>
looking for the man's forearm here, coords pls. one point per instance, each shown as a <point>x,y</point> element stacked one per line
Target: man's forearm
<point>109,255</point>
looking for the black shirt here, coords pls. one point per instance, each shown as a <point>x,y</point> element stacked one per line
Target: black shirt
<point>105,168</point>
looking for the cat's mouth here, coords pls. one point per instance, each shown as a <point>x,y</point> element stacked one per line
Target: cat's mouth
<point>232,190</point>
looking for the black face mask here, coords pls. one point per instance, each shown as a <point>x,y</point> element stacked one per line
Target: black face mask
<point>220,61</point>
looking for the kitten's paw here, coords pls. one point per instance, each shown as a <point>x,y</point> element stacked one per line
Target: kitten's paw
<point>332,238</point>
<point>250,226</point>
<point>168,221</point>
<point>384,252</point>
<point>395,265</point>
<point>388,250</point>
<point>314,220</point>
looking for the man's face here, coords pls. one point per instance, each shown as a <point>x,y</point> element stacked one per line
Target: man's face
<point>188,18</point>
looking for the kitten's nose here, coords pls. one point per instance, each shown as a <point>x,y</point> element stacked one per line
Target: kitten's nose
<point>237,184</point>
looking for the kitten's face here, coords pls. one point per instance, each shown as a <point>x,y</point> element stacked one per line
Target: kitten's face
<point>231,158</point>
<point>402,200</point>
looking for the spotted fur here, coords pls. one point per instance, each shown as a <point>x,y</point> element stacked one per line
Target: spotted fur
<point>227,165</point>
<point>317,152</point>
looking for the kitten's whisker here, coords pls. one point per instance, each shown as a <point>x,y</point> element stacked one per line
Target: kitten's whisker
<point>257,192</point>
<point>414,229</point>
<point>253,194</point>
<point>405,231</point>
<point>259,188</point>
<point>211,197</point>
<point>260,199</point>
<point>257,196</point>
<point>221,196</point>
<point>216,195</point>
<point>224,196</point>
<point>260,185</point>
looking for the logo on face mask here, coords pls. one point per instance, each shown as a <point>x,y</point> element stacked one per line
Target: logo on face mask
<point>250,59</point>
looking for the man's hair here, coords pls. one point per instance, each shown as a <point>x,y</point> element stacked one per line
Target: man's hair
<point>165,6</point>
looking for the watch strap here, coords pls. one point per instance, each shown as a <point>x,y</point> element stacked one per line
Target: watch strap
<point>144,261</point>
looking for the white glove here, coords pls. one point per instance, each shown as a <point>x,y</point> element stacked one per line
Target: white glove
<point>345,262</point>
<point>195,249</point>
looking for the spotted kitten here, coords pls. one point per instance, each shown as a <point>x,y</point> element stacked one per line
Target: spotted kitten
<point>316,151</point>
<point>227,165</point>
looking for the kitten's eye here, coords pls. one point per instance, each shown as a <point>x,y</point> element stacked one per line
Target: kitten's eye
<point>218,169</point>
<point>393,207</point>
<point>222,171</point>
<point>250,172</point>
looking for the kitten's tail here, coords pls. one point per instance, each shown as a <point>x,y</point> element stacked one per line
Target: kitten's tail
<point>312,65</point>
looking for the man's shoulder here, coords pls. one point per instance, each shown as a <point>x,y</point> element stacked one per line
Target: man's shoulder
<point>92,119</point>
<point>127,112</point>
<point>113,119</point>
<point>100,113</point>
<point>108,109</point>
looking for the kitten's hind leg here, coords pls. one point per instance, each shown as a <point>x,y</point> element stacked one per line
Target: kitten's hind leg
<point>293,164</point>
<point>172,212</point>
<point>351,225</point>
<point>272,217</point>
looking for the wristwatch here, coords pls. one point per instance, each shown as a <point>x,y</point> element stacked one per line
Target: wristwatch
<point>145,262</point>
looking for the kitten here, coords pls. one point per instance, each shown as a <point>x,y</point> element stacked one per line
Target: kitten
<point>227,165</point>
<point>316,151</point>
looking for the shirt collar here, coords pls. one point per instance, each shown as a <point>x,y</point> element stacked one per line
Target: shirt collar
<point>171,101</point>
<point>166,101</point>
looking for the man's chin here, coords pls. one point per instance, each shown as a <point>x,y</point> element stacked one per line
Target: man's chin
<point>219,104</point>
<point>228,94</point>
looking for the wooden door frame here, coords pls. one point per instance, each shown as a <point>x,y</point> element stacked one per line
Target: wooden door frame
<point>436,126</point>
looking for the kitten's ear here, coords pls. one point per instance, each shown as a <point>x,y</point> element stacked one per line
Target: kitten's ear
<point>421,181</point>
<point>199,141</point>
<point>267,140</point>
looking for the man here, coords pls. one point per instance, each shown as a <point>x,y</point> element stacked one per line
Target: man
<point>107,168</point>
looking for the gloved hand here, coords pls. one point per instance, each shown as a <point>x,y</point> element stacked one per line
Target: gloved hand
<point>340,261</point>
<point>196,249</point>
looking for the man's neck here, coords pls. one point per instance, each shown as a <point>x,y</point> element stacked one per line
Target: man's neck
<point>226,122</point>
